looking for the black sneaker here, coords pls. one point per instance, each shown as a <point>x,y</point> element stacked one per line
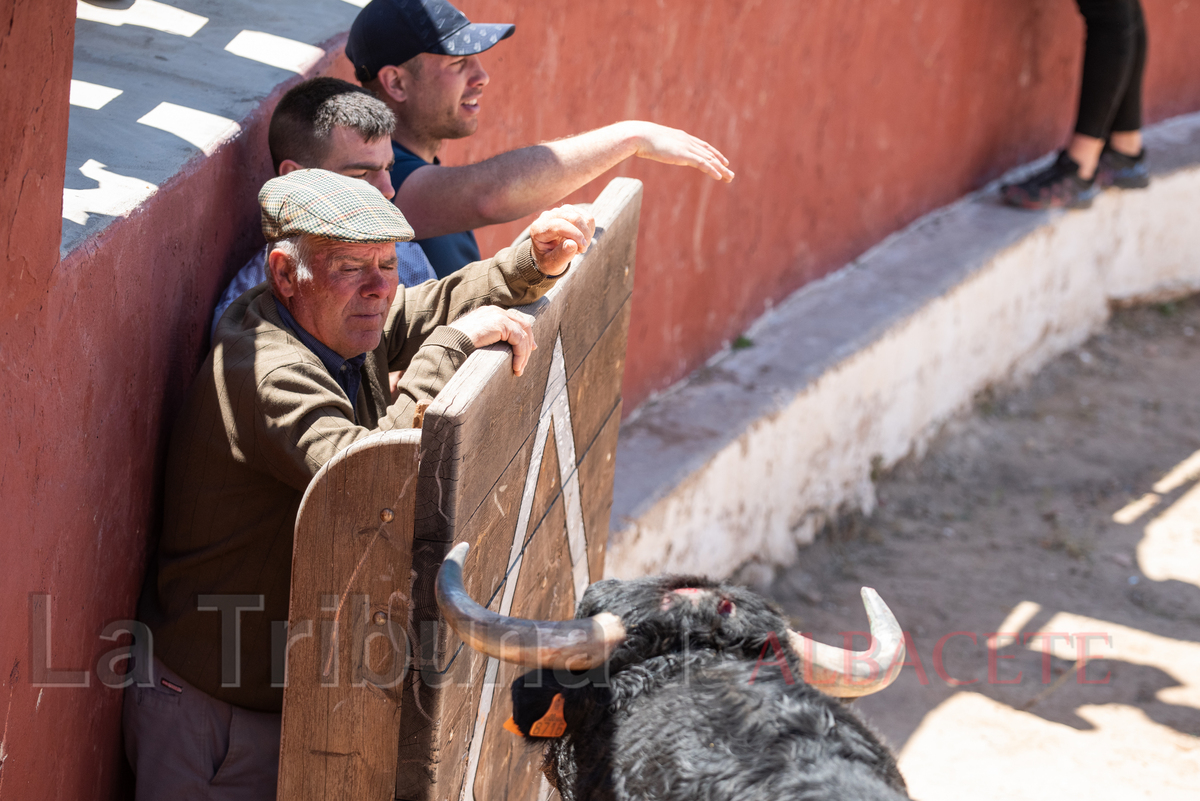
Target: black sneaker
<point>1056,187</point>
<point>1122,171</point>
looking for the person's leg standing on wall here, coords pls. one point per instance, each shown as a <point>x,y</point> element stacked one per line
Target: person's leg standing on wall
<point>1106,148</point>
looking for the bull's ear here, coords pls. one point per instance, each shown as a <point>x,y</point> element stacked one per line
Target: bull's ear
<point>551,724</point>
<point>548,726</point>
<point>538,705</point>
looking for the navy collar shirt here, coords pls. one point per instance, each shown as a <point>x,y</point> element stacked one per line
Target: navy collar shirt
<point>346,372</point>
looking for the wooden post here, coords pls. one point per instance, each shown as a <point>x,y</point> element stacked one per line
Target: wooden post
<point>346,635</point>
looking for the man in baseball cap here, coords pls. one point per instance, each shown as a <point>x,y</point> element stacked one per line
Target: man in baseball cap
<point>298,373</point>
<point>422,58</point>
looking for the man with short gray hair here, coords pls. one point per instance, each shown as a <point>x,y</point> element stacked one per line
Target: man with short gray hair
<point>298,373</point>
<point>329,124</point>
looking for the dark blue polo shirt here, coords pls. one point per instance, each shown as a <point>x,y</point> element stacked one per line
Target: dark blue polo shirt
<point>346,372</point>
<point>448,252</point>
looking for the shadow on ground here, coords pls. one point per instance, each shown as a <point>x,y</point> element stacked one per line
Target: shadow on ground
<point>1069,505</point>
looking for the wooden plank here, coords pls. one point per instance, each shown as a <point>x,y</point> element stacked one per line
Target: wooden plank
<point>491,474</point>
<point>490,534</point>
<point>592,389</point>
<point>351,579</point>
<point>539,594</point>
<point>446,737</point>
<point>598,284</point>
<point>596,470</point>
<point>484,578</point>
<point>422,750</point>
<point>604,291</point>
<point>485,381</point>
<point>491,539</point>
<point>509,767</point>
<point>545,590</point>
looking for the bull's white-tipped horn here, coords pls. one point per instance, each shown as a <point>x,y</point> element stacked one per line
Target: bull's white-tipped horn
<point>570,644</point>
<point>850,674</point>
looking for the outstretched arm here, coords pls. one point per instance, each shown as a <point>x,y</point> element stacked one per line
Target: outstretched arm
<point>441,200</point>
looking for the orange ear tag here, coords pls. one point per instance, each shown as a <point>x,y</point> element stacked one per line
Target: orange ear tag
<point>551,724</point>
<point>511,725</point>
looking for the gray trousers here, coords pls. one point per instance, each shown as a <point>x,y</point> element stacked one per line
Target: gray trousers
<point>185,745</point>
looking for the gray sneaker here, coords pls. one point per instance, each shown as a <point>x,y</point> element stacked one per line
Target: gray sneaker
<point>1122,171</point>
<point>1056,187</point>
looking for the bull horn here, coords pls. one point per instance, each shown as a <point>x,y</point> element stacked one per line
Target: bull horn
<point>569,644</point>
<point>850,674</point>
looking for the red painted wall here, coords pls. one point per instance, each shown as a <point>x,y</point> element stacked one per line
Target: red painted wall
<point>96,353</point>
<point>844,120</point>
<point>39,494</point>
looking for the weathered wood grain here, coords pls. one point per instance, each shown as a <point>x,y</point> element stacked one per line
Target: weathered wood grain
<point>596,470</point>
<point>587,298</point>
<point>493,474</point>
<point>351,578</point>
<point>484,577</point>
<point>509,767</point>
<point>593,394</point>
<point>599,294</point>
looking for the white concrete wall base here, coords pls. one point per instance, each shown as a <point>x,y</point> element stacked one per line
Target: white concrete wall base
<point>745,459</point>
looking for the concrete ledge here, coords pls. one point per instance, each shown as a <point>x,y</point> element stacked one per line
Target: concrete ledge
<point>746,458</point>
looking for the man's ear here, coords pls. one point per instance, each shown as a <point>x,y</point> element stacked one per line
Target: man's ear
<point>281,274</point>
<point>287,165</point>
<point>394,81</point>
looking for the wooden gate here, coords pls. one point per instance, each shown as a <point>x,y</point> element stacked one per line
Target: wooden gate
<point>522,469</point>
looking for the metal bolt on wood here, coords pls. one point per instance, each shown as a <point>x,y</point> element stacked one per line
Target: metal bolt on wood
<point>387,515</point>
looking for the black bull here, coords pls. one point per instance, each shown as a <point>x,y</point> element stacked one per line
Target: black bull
<point>681,688</point>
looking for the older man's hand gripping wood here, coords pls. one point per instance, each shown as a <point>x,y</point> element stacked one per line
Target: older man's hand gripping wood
<point>557,237</point>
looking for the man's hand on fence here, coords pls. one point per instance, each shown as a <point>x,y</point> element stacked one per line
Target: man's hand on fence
<point>490,324</point>
<point>558,236</point>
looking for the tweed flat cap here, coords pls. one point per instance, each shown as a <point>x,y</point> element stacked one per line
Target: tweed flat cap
<point>323,203</point>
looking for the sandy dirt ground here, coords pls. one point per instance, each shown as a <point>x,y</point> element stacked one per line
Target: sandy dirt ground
<point>1063,514</point>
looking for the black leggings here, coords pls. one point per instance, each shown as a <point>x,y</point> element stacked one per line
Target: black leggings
<point>1110,98</point>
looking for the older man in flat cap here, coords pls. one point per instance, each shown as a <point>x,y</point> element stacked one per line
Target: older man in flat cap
<point>299,371</point>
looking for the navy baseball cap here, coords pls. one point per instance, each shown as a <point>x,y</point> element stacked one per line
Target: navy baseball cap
<point>393,31</point>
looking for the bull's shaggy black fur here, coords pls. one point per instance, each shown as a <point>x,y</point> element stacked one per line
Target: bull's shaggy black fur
<point>696,704</point>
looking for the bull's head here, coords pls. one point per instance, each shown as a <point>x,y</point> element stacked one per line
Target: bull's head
<point>583,644</point>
